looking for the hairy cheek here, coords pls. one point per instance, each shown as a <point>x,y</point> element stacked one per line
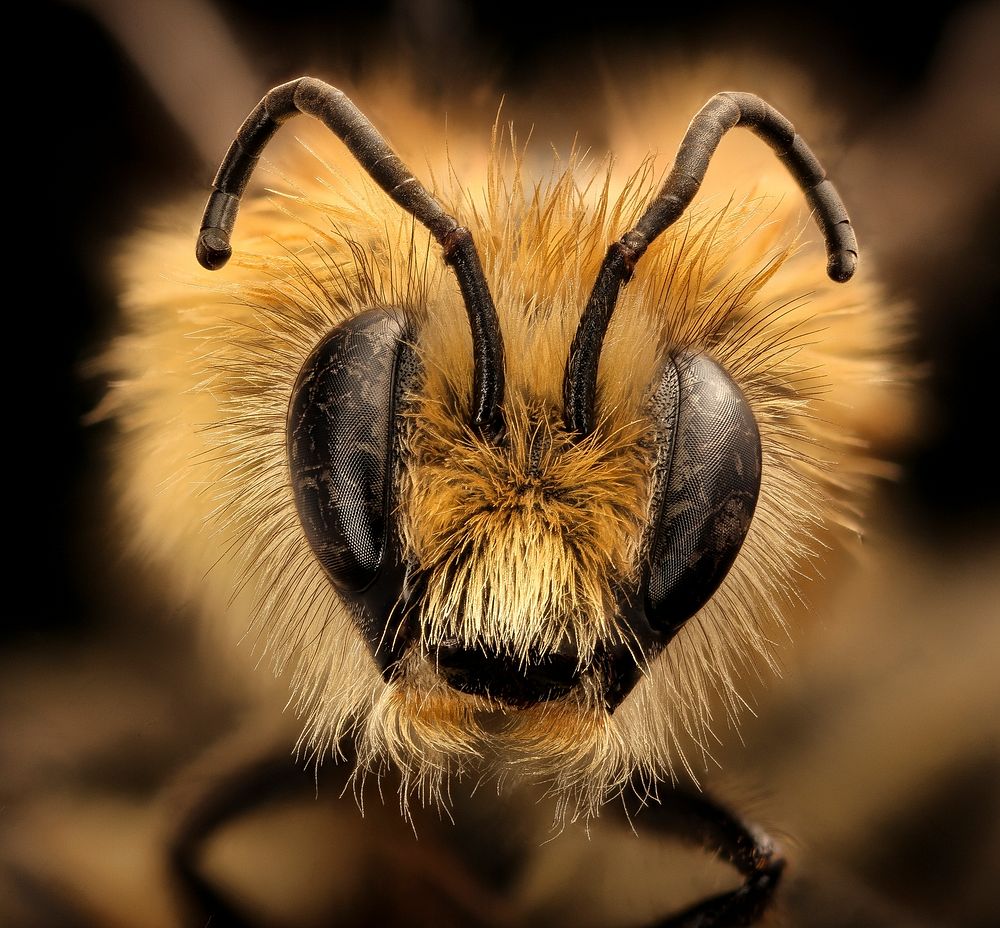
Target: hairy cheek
<point>560,729</point>
<point>421,697</point>
<point>425,710</point>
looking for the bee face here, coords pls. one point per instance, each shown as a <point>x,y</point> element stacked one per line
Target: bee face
<point>458,510</point>
<point>525,568</point>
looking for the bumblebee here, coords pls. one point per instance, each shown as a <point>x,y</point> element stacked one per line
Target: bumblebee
<point>498,494</point>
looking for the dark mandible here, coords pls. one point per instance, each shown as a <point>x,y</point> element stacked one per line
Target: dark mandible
<point>722,113</point>
<point>336,111</point>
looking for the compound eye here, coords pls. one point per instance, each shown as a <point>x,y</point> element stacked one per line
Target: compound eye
<point>705,487</point>
<point>340,439</point>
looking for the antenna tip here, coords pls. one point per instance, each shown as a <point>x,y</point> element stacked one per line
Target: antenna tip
<point>213,249</point>
<point>841,265</point>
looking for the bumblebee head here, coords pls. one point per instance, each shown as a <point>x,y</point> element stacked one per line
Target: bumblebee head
<point>514,544</point>
<point>531,563</point>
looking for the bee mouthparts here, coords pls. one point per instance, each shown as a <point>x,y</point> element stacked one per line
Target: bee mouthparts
<point>482,672</point>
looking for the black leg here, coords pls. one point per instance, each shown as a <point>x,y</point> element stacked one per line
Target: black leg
<point>239,775</point>
<point>245,772</point>
<point>698,819</point>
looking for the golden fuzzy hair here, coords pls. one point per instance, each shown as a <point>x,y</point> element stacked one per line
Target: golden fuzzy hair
<point>536,530</point>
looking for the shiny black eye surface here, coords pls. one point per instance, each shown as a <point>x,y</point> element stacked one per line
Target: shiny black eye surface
<point>341,441</point>
<point>705,487</point>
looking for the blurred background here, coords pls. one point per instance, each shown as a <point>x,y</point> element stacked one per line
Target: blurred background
<point>877,754</point>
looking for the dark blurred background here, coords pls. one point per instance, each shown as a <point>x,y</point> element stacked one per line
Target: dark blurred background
<point>919,125</point>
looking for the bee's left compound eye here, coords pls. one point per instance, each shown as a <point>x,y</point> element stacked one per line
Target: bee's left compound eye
<point>706,480</point>
<point>341,438</point>
<point>705,487</point>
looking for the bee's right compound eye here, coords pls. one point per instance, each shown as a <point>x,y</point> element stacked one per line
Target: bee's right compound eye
<point>705,486</point>
<point>341,439</point>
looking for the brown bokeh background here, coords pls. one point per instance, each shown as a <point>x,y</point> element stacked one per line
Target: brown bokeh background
<point>876,756</point>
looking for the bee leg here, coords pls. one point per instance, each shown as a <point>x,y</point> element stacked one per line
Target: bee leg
<point>235,776</point>
<point>698,819</point>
